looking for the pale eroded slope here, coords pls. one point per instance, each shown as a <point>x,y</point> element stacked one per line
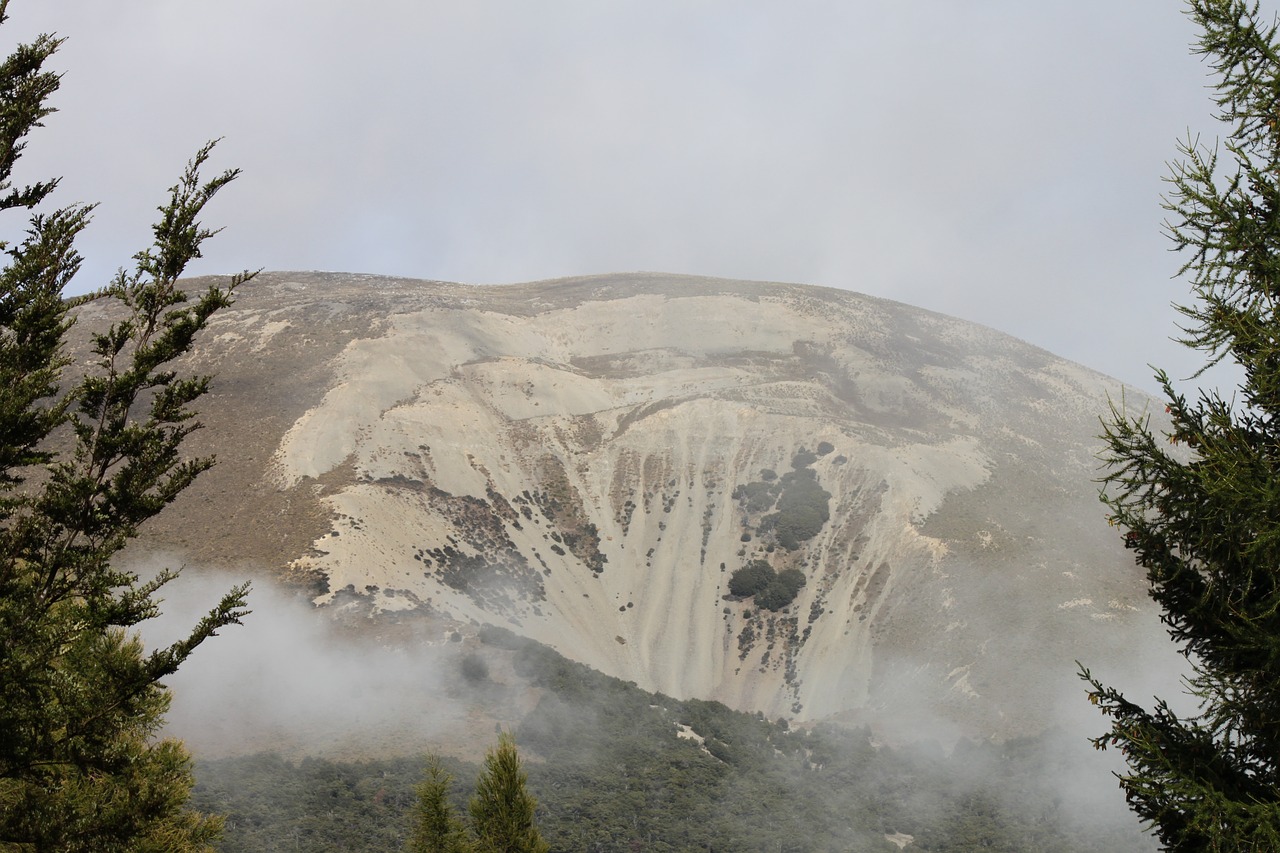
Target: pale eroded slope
<point>559,458</point>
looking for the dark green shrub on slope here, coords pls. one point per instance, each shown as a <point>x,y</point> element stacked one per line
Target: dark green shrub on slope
<point>781,591</point>
<point>751,578</point>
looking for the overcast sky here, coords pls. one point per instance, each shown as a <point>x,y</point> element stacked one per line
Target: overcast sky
<point>997,160</point>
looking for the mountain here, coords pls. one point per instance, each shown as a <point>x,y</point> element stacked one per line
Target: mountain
<point>589,462</point>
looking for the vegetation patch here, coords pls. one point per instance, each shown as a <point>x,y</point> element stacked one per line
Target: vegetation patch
<point>772,590</point>
<point>801,506</point>
<point>781,591</point>
<point>490,568</point>
<point>562,506</point>
<point>803,509</point>
<point>751,578</point>
<point>614,774</point>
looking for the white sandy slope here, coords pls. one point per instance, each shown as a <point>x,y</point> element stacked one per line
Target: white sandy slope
<point>953,445</point>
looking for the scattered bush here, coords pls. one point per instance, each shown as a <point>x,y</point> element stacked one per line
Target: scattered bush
<point>501,638</point>
<point>803,509</point>
<point>474,668</point>
<point>772,590</point>
<point>781,591</point>
<point>804,459</point>
<point>825,447</point>
<point>751,578</point>
<point>757,496</point>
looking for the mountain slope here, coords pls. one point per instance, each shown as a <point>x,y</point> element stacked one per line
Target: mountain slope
<point>588,461</point>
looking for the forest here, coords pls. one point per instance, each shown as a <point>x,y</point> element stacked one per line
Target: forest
<point>612,772</point>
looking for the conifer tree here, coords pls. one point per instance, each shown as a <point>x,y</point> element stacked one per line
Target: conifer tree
<point>84,461</point>
<point>502,810</point>
<point>436,829</point>
<point>1200,505</point>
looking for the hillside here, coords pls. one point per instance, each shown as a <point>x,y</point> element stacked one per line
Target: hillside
<point>588,462</point>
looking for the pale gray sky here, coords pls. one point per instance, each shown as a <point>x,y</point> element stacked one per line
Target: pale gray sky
<point>997,160</point>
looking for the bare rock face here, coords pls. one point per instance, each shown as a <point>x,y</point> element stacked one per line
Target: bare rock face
<point>588,462</point>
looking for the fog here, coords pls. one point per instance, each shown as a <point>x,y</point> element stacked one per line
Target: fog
<point>289,681</point>
<point>1142,664</point>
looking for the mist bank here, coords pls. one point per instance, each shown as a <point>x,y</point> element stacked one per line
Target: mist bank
<point>303,680</point>
<point>307,730</point>
<point>615,767</point>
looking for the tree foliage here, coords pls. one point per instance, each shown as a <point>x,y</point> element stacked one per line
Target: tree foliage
<point>501,811</point>
<point>772,590</point>
<point>781,591</point>
<point>84,462</point>
<point>803,508</point>
<point>751,578</point>
<point>436,828</point>
<point>1200,505</point>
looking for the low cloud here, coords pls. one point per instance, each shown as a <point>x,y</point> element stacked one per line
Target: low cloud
<point>291,680</point>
